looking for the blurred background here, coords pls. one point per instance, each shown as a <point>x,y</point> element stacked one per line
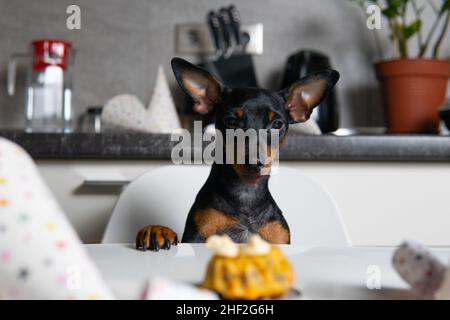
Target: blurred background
<point>121,70</point>
<point>121,44</point>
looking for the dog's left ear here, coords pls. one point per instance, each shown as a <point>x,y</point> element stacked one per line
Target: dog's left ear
<point>307,93</point>
<point>199,84</point>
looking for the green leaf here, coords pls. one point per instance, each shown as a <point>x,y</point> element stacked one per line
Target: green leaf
<point>412,29</point>
<point>390,13</point>
<point>394,4</point>
<point>445,6</point>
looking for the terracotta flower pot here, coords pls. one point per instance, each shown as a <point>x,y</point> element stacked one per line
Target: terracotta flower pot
<point>413,90</point>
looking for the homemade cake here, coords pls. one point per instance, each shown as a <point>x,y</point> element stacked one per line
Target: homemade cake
<point>255,270</point>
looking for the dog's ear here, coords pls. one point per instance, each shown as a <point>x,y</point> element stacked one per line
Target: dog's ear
<point>307,93</point>
<point>199,84</point>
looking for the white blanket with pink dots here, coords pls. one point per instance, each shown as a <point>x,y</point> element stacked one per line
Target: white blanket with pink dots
<point>41,256</point>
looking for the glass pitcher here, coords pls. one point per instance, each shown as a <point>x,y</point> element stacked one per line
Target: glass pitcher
<point>48,96</point>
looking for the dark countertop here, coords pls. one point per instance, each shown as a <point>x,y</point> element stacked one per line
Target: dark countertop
<point>427,148</point>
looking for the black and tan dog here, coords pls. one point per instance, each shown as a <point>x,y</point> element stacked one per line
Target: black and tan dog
<point>235,200</point>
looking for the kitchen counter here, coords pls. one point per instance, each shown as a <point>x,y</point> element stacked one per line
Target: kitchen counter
<point>427,148</point>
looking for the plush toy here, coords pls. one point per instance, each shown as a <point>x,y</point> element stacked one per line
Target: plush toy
<point>126,112</point>
<point>422,270</point>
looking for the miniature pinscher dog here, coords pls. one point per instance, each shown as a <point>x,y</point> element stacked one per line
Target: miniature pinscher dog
<point>235,199</point>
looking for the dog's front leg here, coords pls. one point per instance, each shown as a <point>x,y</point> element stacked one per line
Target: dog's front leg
<point>156,237</point>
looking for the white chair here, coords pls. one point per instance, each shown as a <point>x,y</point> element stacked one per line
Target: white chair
<point>163,196</point>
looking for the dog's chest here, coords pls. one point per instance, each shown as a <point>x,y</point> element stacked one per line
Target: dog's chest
<point>240,233</point>
<point>210,221</point>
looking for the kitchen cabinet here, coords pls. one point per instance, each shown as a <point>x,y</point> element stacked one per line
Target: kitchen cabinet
<point>382,203</point>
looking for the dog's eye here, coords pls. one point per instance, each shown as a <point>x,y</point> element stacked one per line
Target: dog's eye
<point>231,122</point>
<point>277,124</point>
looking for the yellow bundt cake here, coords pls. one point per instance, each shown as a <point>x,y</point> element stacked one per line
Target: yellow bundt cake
<point>253,271</point>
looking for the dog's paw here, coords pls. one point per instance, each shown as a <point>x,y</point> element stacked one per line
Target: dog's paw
<point>155,238</point>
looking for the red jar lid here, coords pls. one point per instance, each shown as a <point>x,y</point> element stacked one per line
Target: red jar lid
<point>50,52</point>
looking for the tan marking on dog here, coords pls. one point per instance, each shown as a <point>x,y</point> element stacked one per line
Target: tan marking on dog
<point>271,115</point>
<point>271,154</point>
<point>239,112</point>
<point>275,233</point>
<point>204,91</point>
<point>210,221</point>
<point>144,236</point>
<point>303,97</point>
<point>244,176</point>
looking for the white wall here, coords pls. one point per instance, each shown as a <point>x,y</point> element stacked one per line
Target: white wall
<point>121,43</point>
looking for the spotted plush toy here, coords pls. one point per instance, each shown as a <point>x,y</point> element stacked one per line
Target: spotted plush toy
<point>420,268</point>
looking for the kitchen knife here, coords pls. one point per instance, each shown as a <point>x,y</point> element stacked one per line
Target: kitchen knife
<point>227,32</point>
<point>216,33</point>
<point>235,21</point>
<point>238,69</point>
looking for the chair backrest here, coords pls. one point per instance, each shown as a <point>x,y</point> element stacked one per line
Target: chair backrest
<point>163,196</point>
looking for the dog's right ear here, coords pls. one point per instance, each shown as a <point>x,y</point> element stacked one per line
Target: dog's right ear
<point>199,84</point>
<point>307,93</point>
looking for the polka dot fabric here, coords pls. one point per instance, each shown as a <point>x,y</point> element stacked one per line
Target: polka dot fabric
<point>125,112</point>
<point>41,256</point>
<point>418,267</point>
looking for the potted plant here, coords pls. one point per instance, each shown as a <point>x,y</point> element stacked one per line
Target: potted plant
<point>413,87</point>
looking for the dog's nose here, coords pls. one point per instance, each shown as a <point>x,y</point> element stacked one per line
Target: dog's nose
<point>258,165</point>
